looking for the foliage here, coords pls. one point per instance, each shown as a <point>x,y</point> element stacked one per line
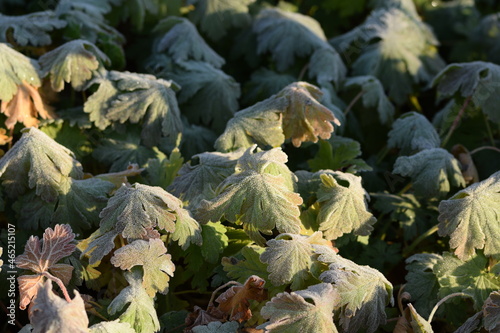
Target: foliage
<point>251,166</point>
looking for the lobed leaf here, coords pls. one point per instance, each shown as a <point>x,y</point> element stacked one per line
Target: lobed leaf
<point>491,312</point>
<point>114,326</point>
<point>326,65</point>
<point>471,219</point>
<point>433,171</point>
<point>30,29</point>
<point>74,62</point>
<point>217,327</point>
<point>152,256</point>
<point>37,161</point>
<point>308,311</point>
<point>412,132</point>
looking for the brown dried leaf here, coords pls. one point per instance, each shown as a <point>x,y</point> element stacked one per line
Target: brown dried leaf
<point>52,314</point>
<point>25,107</point>
<point>234,301</point>
<point>469,171</point>
<point>201,317</point>
<point>4,138</point>
<point>42,256</point>
<point>305,118</point>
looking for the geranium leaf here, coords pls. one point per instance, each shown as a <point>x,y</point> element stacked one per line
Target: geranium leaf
<point>491,312</point>
<point>203,84</point>
<point>25,107</point>
<point>37,161</point>
<point>421,282</point>
<point>182,42</point>
<point>326,66</point>
<point>258,200</point>
<point>141,312</point>
<point>419,324</point>
<point>258,124</point>
<point>469,218</point>
<point>42,256</point>
<point>16,68</point>
<point>52,314</point>
<point>263,83</point>
<point>32,212</point>
<point>412,132</point>
<point>114,326</point>
<point>477,79</point>
<point>234,301</point>
<point>198,178</point>
<point>373,96</point>
<point>433,171</point>
<point>307,311</point>
<point>306,118</point>
<point>343,206</point>
<point>215,241</point>
<point>135,209</point>
<point>137,98</point>
<point>152,256</point>
<point>470,277</point>
<point>287,35</point>
<point>162,171</point>
<point>216,17</point>
<point>80,202</point>
<point>250,264</point>
<point>364,292</point>
<point>74,62</point>
<point>217,327</point>
<point>31,29</point>
<point>289,259</point>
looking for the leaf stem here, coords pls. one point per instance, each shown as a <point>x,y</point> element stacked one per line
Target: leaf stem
<point>60,284</point>
<point>211,302</point>
<point>456,121</point>
<point>484,148</point>
<point>444,300</point>
<point>303,72</point>
<point>354,100</point>
<point>488,129</point>
<point>406,188</point>
<point>419,239</point>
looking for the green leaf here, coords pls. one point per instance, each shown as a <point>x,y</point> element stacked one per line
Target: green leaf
<point>396,48</point>
<point>215,241</point>
<point>196,139</point>
<point>470,218</point>
<point>217,327</point>
<point>114,326</point>
<point>16,68</point>
<point>31,29</point>
<point>421,282</point>
<point>491,312</point>
<point>81,201</point>
<point>338,153</point>
<point>181,42</point>
<point>307,311</point>
<point>137,9</point>
<point>260,201</point>
<point>209,87</point>
<point>477,79</point>
<point>133,210</point>
<point>412,132</point>
<point>364,291</point>
<point>343,206</point>
<point>289,259</point>
<point>141,312</point>
<point>470,277</point>
<point>250,264</point>
<point>162,171</point>
<point>138,98</point>
<point>152,256</point>
<point>263,83</point>
<point>217,17</point>
<point>288,35</point>
<point>199,178</point>
<point>121,150</point>
<point>33,213</point>
<point>75,62</point>
<point>373,96</point>
<point>419,324</point>
<point>258,124</point>
<point>433,171</point>
<point>326,66</point>
<point>37,161</point>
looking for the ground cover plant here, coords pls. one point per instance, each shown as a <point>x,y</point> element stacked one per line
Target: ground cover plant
<point>250,166</point>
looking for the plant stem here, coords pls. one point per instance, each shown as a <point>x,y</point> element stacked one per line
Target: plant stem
<point>60,284</point>
<point>456,121</point>
<point>303,72</point>
<point>406,188</point>
<point>419,239</point>
<point>484,148</point>
<point>488,129</point>
<point>442,301</point>
<point>354,100</point>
